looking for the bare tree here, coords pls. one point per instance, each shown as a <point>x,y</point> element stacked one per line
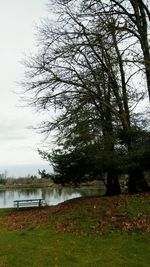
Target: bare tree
<point>133,18</point>
<point>82,62</point>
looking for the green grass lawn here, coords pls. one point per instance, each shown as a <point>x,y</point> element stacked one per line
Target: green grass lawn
<point>90,232</point>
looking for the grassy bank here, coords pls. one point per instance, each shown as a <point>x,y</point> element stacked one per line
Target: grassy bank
<point>92,232</point>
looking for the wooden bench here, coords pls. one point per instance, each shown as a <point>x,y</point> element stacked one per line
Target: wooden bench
<point>29,203</point>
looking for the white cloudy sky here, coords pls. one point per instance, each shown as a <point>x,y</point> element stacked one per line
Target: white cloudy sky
<point>17,143</point>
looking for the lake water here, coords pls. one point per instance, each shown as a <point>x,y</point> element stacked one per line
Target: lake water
<point>52,196</point>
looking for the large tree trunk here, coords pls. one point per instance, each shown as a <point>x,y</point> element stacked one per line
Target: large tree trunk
<point>137,182</point>
<point>113,185</point>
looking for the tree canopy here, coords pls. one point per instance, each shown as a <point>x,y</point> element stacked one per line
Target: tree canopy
<point>92,68</point>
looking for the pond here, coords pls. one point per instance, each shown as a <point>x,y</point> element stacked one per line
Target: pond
<point>52,196</point>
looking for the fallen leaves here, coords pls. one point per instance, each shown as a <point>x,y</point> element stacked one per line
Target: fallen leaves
<point>140,225</point>
<point>27,218</point>
<point>88,215</point>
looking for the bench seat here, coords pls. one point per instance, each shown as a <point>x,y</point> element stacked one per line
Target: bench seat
<point>29,203</point>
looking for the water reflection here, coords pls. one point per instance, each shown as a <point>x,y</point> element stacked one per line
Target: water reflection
<point>53,196</point>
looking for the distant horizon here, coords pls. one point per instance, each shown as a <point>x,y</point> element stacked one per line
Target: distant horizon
<point>23,170</point>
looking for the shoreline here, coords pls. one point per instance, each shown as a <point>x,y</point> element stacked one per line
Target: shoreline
<point>93,184</point>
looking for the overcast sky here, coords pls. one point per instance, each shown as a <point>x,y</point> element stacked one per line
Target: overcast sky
<point>18,144</point>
